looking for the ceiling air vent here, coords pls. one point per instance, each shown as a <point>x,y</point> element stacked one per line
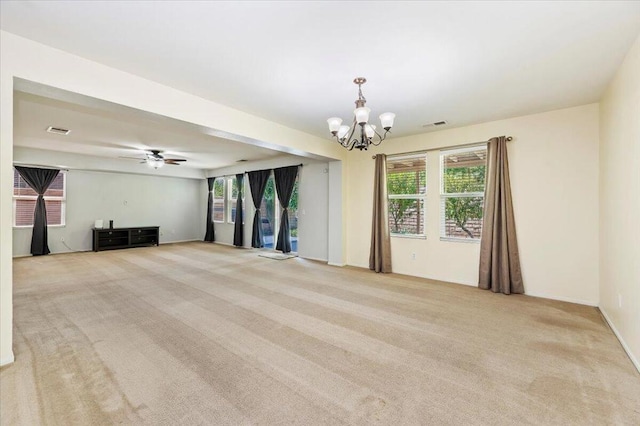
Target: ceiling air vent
<point>58,130</point>
<point>436,124</point>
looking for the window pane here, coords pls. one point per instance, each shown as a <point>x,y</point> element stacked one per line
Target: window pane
<point>234,188</point>
<point>462,217</point>
<point>406,216</point>
<point>20,187</point>
<point>406,176</point>
<point>218,200</point>
<point>25,208</point>
<point>218,211</point>
<point>218,188</point>
<point>232,210</point>
<point>464,171</point>
<point>268,214</point>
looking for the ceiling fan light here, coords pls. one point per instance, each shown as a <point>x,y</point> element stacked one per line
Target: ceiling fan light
<point>370,130</point>
<point>342,131</point>
<point>334,124</point>
<point>155,162</point>
<point>362,114</point>
<point>386,119</point>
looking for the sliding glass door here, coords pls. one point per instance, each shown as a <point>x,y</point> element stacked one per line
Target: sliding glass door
<point>270,212</point>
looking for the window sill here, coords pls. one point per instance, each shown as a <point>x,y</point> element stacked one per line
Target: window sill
<point>410,236</point>
<point>31,226</point>
<point>460,240</point>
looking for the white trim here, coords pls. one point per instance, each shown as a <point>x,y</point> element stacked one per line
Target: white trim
<point>626,348</point>
<point>8,360</point>
<point>410,236</point>
<point>177,241</point>
<point>336,264</point>
<point>313,258</point>
<point>563,299</point>
<point>460,240</point>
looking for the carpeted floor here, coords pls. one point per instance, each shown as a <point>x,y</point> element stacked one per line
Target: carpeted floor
<point>199,333</point>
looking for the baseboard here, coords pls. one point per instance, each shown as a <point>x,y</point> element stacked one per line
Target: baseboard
<point>563,299</point>
<point>336,264</point>
<point>317,259</point>
<point>626,348</point>
<point>8,360</point>
<point>177,241</point>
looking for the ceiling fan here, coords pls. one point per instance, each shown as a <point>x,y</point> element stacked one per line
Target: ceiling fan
<point>155,159</point>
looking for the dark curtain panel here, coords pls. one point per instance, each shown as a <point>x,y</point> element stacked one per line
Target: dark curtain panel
<point>380,253</point>
<point>257,182</point>
<point>285,179</point>
<point>210,235</point>
<point>238,229</point>
<point>499,257</point>
<point>39,180</point>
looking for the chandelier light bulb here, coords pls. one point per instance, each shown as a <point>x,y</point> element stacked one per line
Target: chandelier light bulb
<point>342,131</point>
<point>386,120</point>
<point>370,130</point>
<point>334,124</point>
<point>362,114</point>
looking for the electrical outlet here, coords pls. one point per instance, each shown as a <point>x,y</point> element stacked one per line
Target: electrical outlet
<point>413,256</point>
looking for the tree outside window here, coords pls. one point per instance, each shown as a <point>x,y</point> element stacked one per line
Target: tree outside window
<point>407,189</point>
<point>462,192</point>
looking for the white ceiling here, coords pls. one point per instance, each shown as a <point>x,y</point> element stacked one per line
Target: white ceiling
<point>108,130</point>
<point>294,62</point>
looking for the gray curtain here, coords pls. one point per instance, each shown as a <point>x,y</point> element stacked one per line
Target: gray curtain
<point>499,257</point>
<point>380,254</point>
<point>238,229</point>
<point>210,235</point>
<point>257,183</point>
<point>39,180</point>
<point>285,179</point>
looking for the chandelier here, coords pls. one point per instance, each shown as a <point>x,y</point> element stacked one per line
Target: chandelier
<point>368,133</point>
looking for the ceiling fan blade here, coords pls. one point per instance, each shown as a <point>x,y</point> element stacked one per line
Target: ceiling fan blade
<point>174,159</point>
<point>131,158</point>
<point>173,163</point>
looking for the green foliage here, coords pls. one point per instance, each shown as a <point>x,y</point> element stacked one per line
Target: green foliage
<point>218,188</point>
<point>459,180</point>
<point>403,183</point>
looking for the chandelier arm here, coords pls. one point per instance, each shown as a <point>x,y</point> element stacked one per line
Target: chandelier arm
<point>380,137</point>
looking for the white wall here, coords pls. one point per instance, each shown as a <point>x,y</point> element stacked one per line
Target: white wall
<point>620,203</point>
<point>177,205</point>
<point>313,193</point>
<point>554,175</point>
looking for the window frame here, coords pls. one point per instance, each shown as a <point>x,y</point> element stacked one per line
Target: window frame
<point>63,203</point>
<point>417,196</point>
<point>444,196</point>
<point>224,209</point>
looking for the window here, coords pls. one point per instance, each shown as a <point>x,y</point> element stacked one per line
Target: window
<point>407,189</point>
<point>24,201</point>
<point>218,200</point>
<point>232,195</point>
<point>462,179</point>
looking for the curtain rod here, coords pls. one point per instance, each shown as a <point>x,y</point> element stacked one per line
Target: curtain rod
<point>509,139</point>
<point>39,166</point>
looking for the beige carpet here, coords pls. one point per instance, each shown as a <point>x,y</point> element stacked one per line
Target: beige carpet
<point>200,333</point>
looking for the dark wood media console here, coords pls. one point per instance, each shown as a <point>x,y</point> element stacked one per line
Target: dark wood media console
<point>119,238</point>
